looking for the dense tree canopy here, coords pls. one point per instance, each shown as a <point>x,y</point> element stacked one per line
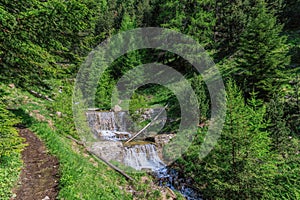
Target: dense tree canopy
<point>254,43</point>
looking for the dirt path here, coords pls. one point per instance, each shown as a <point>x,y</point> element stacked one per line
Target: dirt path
<point>39,177</point>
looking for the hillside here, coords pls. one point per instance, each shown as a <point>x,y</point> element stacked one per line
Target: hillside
<point>217,80</point>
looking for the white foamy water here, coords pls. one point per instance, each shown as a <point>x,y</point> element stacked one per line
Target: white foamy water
<point>109,126</point>
<point>142,157</point>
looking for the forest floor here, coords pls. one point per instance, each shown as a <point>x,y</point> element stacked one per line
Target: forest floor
<point>40,175</point>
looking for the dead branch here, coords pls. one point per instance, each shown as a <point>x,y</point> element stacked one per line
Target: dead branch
<point>101,159</point>
<point>155,118</point>
<point>38,95</point>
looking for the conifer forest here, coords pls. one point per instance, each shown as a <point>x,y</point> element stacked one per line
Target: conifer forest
<point>209,102</point>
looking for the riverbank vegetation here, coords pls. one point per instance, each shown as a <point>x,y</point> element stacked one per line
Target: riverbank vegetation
<point>255,44</point>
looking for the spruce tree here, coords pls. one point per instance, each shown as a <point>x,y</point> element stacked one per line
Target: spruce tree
<point>239,166</point>
<point>45,39</point>
<point>285,148</point>
<point>278,128</point>
<point>291,14</point>
<point>202,95</point>
<point>231,19</point>
<point>262,58</point>
<point>130,59</point>
<point>194,18</point>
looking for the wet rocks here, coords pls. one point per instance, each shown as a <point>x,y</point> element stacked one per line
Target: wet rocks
<point>111,151</point>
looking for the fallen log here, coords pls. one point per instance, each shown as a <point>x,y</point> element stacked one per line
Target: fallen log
<point>38,95</point>
<point>155,118</point>
<point>171,193</point>
<point>111,165</point>
<point>101,159</point>
<point>77,141</point>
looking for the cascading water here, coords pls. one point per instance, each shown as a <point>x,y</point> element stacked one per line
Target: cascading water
<point>142,157</point>
<point>146,157</point>
<point>106,121</point>
<point>122,121</point>
<point>111,128</point>
<point>108,125</point>
<point>171,178</point>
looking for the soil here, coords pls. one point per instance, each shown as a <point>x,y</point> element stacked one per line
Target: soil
<point>40,175</point>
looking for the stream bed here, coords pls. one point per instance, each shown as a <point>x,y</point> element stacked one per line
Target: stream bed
<point>145,156</point>
<point>170,177</point>
<point>111,129</point>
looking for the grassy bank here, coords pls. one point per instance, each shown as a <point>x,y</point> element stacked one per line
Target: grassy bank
<point>9,172</point>
<point>81,176</point>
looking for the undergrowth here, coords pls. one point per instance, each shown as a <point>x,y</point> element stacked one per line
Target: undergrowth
<point>10,167</point>
<point>81,176</point>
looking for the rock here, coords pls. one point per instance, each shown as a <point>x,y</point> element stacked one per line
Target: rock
<point>39,117</point>
<point>12,85</point>
<point>89,109</point>
<point>51,125</point>
<point>46,198</point>
<point>59,114</point>
<point>117,108</point>
<point>163,139</point>
<point>108,150</point>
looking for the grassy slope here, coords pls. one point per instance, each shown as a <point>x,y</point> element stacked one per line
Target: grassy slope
<point>82,177</point>
<point>9,172</point>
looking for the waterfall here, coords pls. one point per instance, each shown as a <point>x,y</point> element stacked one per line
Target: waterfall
<point>107,121</point>
<point>108,125</point>
<point>111,128</point>
<point>142,157</point>
<point>122,121</point>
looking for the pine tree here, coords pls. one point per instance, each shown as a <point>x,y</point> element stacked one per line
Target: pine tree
<point>231,19</point>
<point>130,59</point>
<point>194,18</point>
<point>45,39</point>
<point>292,105</point>
<point>262,59</point>
<point>143,13</point>
<point>280,132</point>
<point>239,166</point>
<point>119,67</point>
<point>291,13</point>
<point>285,147</point>
<point>202,96</point>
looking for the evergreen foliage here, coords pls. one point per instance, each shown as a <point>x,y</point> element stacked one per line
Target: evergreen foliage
<point>44,39</point>
<point>239,167</point>
<point>285,147</point>
<point>231,19</point>
<point>255,43</point>
<point>10,142</point>
<point>262,60</point>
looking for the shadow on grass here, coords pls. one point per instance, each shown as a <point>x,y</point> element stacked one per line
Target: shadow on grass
<point>26,119</point>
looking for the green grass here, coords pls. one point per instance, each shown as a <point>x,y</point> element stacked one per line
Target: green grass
<point>81,176</point>
<point>80,179</point>
<point>10,167</point>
